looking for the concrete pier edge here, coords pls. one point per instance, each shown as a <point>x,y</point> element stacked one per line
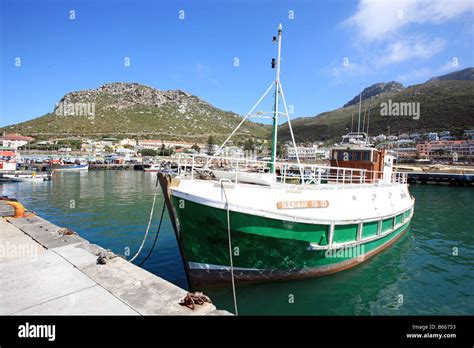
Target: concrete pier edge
<point>48,270</point>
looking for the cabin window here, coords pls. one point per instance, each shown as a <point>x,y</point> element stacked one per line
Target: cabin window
<point>357,155</point>
<point>365,156</point>
<point>344,155</point>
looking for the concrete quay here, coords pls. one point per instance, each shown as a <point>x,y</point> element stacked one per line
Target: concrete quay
<point>48,270</point>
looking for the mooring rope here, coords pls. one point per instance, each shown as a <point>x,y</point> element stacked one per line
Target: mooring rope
<point>156,236</point>
<point>230,249</point>
<point>149,222</point>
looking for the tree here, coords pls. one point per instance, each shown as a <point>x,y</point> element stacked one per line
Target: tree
<point>148,152</point>
<point>166,151</point>
<point>108,149</point>
<point>249,145</point>
<point>196,148</point>
<point>280,150</point>
<point>210,145</point>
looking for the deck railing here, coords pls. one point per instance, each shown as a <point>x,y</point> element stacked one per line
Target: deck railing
<point>289,173</point>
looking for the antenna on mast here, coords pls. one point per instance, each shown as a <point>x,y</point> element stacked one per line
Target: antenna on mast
<point>363,120</point>
<point>275,63</point>
<point>275,106</point>
<point>352,122</point>
<point>368,120</point>
<point>360,106</point>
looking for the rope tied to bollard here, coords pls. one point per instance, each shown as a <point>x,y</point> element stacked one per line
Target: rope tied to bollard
<point>149,222</point>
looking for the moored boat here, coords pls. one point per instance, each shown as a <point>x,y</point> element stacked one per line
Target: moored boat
<point>24,176</point>
<point>154,167</point>
<point>70,167</point>
<point>8,160</point>
<point>230,226</point>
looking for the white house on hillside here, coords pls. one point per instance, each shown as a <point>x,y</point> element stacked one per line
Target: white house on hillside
<point>15,141</point>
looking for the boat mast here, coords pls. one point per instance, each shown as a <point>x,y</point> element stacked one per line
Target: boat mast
<point>360,105</point>
<point>275,107</point>
<point>352,122</point>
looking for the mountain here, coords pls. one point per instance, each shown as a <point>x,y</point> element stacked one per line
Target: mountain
<point>375,90</point>
<point>444,105</point>
<point>132,109</point>
<point>460,75</point>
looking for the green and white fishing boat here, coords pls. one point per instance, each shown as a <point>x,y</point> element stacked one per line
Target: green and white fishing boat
<point>254,221</point>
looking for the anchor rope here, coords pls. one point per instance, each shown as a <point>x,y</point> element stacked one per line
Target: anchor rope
<point>149,222</point>
<point>230,249</point>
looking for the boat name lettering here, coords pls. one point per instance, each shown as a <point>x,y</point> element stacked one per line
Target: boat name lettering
<point>302,204</point>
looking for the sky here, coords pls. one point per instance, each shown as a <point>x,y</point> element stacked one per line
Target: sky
<point>221,50</point>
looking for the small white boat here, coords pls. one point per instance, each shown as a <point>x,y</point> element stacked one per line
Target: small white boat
<point>70,167</point>
<point>31,177</point>
<point>265,179</point>
<point>153,168</point>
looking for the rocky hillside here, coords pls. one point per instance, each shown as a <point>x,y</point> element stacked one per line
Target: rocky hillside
<point>444,105</point>
<point>117,109</point>
<point>461,75</point>
<point>375,90</point>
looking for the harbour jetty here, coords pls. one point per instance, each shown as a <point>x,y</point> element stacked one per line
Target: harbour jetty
<point>439,174</point>
<point>49,270</point>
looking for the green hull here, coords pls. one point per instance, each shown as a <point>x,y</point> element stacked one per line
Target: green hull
<point>271,249</point>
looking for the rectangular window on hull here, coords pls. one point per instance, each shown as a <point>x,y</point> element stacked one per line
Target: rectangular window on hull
<point>399,219</point>
<point>345,233</point>
<point>369,229</point>
<point>387,225</point>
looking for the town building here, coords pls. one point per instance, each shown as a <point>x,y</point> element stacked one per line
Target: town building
<point>158,144</point>
<point>14,141</point>
<point>433,136</point>
<point>443,148</point>
<point>305,153</point>
<point>129,142</point>
<point>469,134</point>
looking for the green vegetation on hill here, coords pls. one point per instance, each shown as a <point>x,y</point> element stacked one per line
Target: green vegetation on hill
<point>444,105</point>
<point>138,111</point>
<point>123,109</point>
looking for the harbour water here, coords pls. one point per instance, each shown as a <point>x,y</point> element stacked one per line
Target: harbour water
<point>429,271</point>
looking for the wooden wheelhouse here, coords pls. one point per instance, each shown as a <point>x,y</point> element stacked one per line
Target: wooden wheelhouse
<point>355,153</point>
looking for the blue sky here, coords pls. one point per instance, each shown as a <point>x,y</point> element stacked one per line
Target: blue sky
<point>330,47</point>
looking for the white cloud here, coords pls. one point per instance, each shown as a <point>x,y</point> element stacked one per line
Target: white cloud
<point>340,72</point>
<point>377,19</point>
<point>414,48</point>
<point>204,74</point>
<point>416,74</point>
<point>427,73</point>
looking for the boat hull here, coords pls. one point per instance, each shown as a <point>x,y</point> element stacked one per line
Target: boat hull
<point>266,249</point>
<point>81,167</point>
<point>27,178</point>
